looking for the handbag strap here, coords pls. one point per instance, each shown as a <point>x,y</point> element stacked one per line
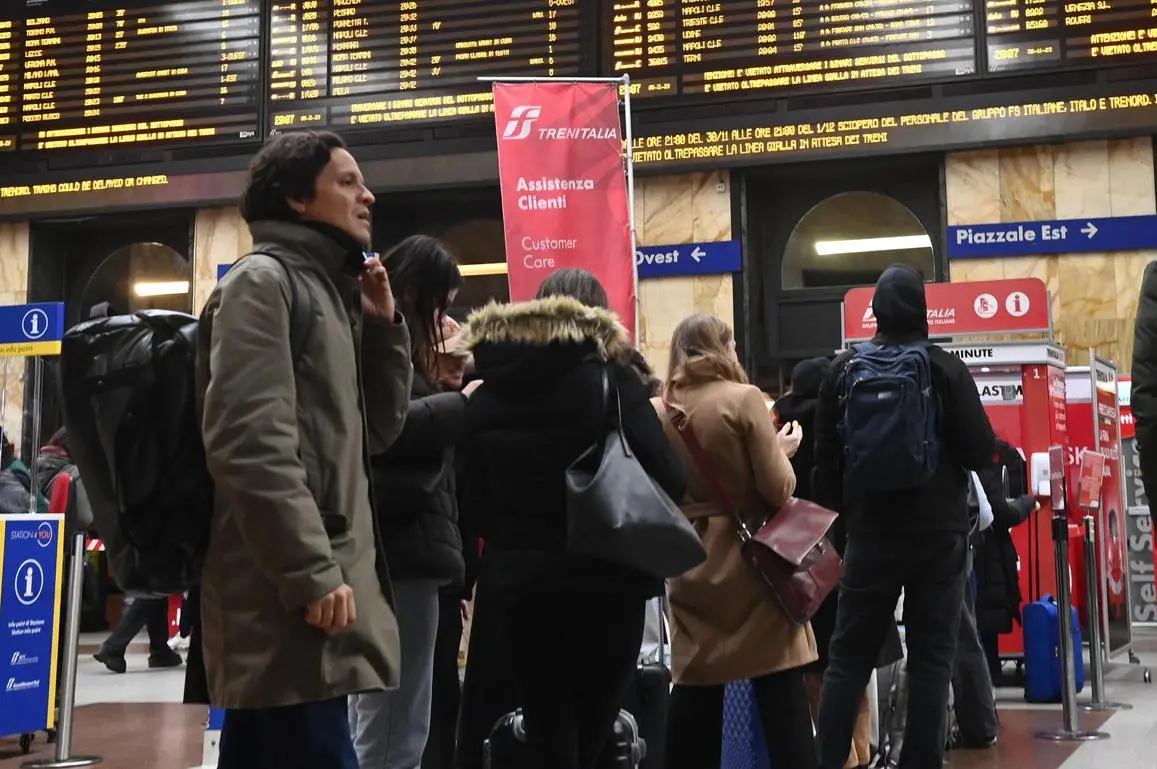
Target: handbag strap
<point>683,426</point>
<point>617,415</point>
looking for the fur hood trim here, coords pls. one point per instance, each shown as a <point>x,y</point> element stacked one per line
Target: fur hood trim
<point>540,322</point>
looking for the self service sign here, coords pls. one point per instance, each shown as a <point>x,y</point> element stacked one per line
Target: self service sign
<point>1056,236</point>
<point>31,554</point>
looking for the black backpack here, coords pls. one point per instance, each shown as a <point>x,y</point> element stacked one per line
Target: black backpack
<point>128,383</point>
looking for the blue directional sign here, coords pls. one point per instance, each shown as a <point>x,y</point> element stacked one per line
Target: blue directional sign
<point>31,329</point>
<point>222,269</point>
<point>689,259</point>
<point>1058,236</point>
<point>31,558</point>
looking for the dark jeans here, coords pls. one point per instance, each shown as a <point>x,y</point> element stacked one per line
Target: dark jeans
<point>139,613</point>
<point>931,569</point>
<point>991,644</point>
<point>695,723</point>
<point>971,678</point>
<point>574,654</point>
<point>315,735</point>
<point>445,693</point>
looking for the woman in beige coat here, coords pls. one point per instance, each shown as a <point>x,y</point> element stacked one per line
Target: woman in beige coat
<point>725,624</point>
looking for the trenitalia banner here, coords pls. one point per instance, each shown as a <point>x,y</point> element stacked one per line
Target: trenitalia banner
<point>564,187</point>
<point>1019,305</point>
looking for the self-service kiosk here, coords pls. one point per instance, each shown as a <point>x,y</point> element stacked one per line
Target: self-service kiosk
<point>1022,387</point>
<point>1094,414</point>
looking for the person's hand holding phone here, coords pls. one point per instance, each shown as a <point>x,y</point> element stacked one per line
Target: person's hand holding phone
<point>789,438</point>
<point>333,612</point>
<point>469,389</point>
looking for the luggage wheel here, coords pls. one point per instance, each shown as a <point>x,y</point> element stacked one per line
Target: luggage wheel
<point>26,743</point>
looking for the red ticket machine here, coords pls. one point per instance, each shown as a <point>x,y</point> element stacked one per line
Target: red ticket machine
<point>1022,385</point>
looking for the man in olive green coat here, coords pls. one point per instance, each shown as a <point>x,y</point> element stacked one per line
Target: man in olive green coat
<point>296,600</point>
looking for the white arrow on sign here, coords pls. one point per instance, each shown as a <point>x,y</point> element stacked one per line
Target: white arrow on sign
<point>1089,229</point>
<point>697,254</point>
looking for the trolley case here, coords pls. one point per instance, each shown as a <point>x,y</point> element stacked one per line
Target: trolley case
<point>1042,651</point>
<point>506,746</point>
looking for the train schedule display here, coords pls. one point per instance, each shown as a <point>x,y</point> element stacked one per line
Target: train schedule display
<point>764,47</point>
<point>1048,34</point>
<point>108,73</point>
<point>373,63</point>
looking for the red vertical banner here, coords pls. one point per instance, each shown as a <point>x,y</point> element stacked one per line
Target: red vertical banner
<point>564,187</point>
<point>1113,548</point>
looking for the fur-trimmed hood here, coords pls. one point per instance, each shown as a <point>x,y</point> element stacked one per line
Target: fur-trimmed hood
<point>542,322</point>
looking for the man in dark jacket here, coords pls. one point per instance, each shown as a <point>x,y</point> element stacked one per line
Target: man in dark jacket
<point>915,540</point>
<point>1144,392</point>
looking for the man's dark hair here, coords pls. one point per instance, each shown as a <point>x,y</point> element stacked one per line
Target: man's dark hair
<point>286,167</point>
<point>577,284</point>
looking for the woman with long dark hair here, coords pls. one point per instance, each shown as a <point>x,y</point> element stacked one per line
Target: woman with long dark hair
<point>417,511</point>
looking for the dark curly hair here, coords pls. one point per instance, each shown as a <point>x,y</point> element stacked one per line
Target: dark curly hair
<point>287,167</point>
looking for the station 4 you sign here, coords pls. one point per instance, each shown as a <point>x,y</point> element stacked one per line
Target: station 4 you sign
<point>963,309</point>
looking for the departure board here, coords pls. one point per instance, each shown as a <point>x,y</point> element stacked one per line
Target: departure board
<point>103,74</point>
<point>738,47</point>
<point>1032,34</point>
<point>368,63</point>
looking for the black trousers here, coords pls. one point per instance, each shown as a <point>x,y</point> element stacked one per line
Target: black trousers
<point>315,735</point>
<point>574,654</point>
<point>695,723</point>
<point>932,570</point>
<point>141,612</point>
<point>446,694</point>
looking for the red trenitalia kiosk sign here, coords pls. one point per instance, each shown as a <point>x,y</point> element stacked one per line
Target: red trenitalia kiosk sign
<point>1022,387</point>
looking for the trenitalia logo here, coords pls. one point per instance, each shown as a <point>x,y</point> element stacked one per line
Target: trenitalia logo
<point>522,120</point>
<point>521,123</point>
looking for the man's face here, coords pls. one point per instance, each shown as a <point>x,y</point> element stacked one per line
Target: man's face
<point>340,198</point>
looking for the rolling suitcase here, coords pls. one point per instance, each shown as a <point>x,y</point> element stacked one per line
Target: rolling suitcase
<point>647,700</point>
<point>505,748</point>
<point>1042,651</point>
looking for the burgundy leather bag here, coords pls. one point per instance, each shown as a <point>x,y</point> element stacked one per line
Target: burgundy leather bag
<point>790,551</point>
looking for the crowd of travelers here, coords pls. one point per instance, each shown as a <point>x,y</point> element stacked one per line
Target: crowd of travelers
<point>406,476</point>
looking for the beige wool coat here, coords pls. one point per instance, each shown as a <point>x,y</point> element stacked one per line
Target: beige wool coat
<point>725,624</point>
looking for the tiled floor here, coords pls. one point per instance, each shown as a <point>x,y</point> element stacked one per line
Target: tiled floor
<point>136,721</point>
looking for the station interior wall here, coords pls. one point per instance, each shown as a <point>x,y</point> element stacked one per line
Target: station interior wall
<point>1094,296</point>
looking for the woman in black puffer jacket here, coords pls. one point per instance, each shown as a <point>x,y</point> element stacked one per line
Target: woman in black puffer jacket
<point>799,405</point>
<point>417,510</point>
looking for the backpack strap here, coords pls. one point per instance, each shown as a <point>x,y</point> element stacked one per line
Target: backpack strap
<point>301,317</point>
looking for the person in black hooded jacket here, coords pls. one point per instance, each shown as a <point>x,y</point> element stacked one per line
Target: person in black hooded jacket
<point>574,624</point>
<point>417,511</point>
<point>799,405</point>
<point>915,540</point>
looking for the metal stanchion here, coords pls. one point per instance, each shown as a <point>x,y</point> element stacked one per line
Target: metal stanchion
<point>1070,731</point>
<point>67,698</point>
<point>1096,658</point>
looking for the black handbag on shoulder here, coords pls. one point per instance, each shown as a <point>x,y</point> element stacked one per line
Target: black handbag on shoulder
<point>617,513</point>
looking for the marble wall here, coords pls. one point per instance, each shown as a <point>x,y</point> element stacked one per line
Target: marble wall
<point>220,236</point>
<point>1094,296</point>
<point>688,208</point>
<point>13,290</point>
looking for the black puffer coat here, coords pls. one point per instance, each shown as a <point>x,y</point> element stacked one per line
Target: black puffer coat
<point>415,489</point>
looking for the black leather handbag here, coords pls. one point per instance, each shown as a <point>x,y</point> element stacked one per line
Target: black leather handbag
<point>617,513</point>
